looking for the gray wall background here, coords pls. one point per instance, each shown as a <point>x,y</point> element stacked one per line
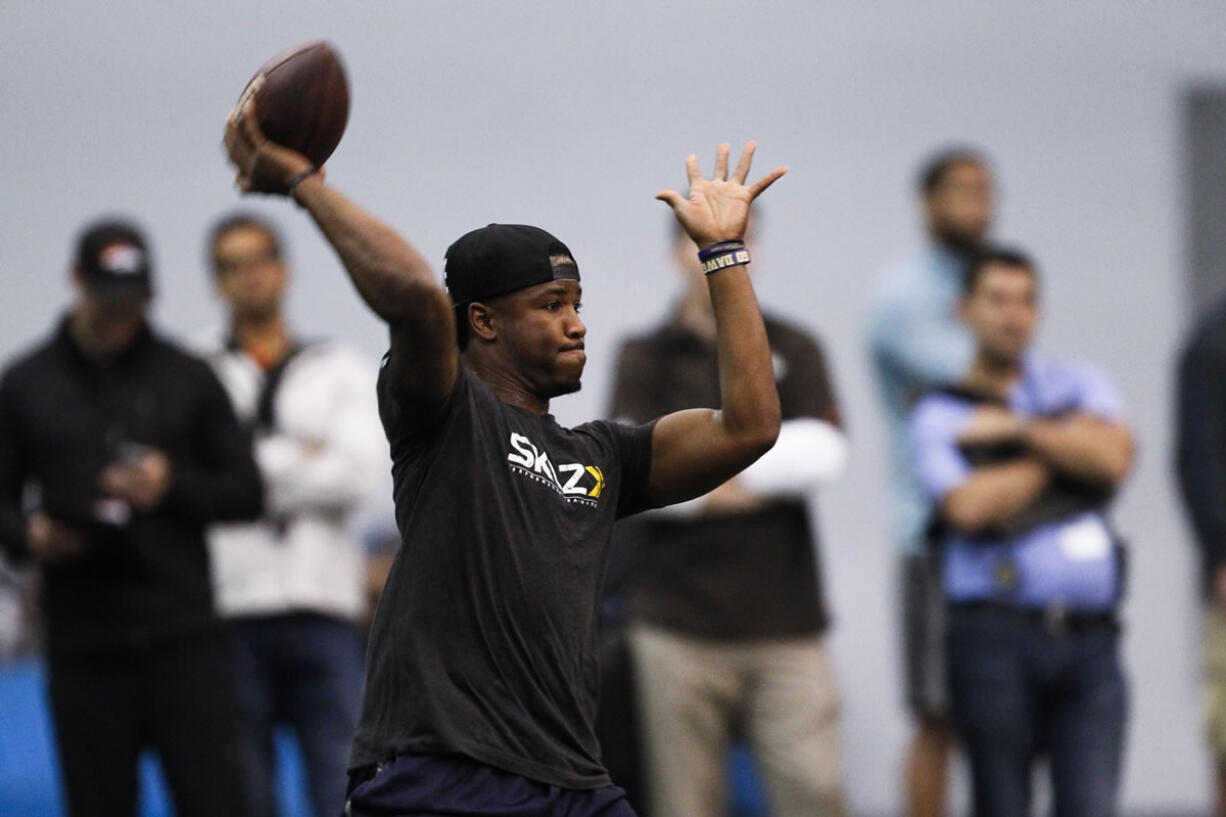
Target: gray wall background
<point>572,115</point>
<point>1205,200</point>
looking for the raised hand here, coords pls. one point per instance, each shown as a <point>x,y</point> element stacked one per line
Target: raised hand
<point>717,209</point>
<point>262,166</point>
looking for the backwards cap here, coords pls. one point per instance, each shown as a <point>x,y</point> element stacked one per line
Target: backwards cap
<point>501,258</point>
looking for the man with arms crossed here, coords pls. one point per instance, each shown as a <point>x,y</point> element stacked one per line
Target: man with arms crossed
<point>1020,460</point>
<point>481,676</point>
<point>291,583</point>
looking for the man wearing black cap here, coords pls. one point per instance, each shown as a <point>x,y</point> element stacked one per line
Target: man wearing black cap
<point>116,448</point>
<point>481,671</point>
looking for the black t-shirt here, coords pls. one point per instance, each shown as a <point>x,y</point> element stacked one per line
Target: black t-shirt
<point>484,643</point>
<point>731,577</point>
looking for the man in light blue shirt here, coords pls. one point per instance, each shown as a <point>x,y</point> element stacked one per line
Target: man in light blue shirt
<point>916,342</point>
<point>1019,461</point>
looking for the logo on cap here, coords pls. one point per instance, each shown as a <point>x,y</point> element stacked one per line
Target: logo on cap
<point>121,258</point>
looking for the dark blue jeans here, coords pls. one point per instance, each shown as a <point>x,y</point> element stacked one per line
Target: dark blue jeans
<point>306,671</point>
<point>1019,691</point>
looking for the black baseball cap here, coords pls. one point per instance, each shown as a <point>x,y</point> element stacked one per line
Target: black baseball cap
<point>501,258</point>
<point>113,260</point>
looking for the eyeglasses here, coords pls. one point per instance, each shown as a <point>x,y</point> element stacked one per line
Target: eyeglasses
<point>222,265</point>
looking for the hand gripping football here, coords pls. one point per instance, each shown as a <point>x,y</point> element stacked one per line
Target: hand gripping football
<point>303,101</point>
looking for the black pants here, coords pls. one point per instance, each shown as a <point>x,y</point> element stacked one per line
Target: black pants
<point>178,698</point>
<point>617,718</point>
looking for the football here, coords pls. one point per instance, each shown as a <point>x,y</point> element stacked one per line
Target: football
<point>303,102</point>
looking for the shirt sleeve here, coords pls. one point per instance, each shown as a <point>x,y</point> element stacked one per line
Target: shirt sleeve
<point>633,446</point>
<point>918,346</point>
<point>1098,395</point>
<point>216,479</point>
<point>933,433</point>
<point>807,453</point>
<point>339,471</point>
<point>13,466</point>
<point>1201,444</point>
<point>408,424</point>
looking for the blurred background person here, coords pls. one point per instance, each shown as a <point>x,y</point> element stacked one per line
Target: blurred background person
<point>293,583</point>
<point>726,608</point>
<point>1021,458</point>
<point>116,449</point>
<point>1201,466</point>
<point>916,341</point>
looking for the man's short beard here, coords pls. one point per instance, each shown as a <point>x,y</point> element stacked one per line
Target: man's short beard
<point>1002,361</point>
<point>959,242</point>
<point>568,387</point>
<point>259,314</point>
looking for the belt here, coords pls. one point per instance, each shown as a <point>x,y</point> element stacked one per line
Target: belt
<point>1056,619</point>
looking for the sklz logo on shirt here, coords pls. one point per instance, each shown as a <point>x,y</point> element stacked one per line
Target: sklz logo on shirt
<point>573,481</point>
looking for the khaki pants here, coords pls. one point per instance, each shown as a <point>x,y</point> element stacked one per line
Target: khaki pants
<point>1215,680</point>
<point>696,694</point>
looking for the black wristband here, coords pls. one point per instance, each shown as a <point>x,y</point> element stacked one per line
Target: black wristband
<point>723,255</point>
<point>297,179</point>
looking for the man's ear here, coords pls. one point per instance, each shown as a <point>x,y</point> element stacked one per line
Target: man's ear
<point>963,307</point>
<point>77,279</point>
<point>482,322</point>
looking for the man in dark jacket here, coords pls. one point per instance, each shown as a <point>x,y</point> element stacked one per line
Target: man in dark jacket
<point>116,449</point>
<point>1201,464</point>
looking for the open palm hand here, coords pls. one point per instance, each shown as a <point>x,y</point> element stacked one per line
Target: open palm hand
<point>717,209</point>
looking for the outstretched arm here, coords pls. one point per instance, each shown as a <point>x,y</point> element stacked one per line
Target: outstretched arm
<point>392,277</point>
<point>694,451</point>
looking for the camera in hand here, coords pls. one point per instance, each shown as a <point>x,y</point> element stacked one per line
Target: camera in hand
<point>109,510</point>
